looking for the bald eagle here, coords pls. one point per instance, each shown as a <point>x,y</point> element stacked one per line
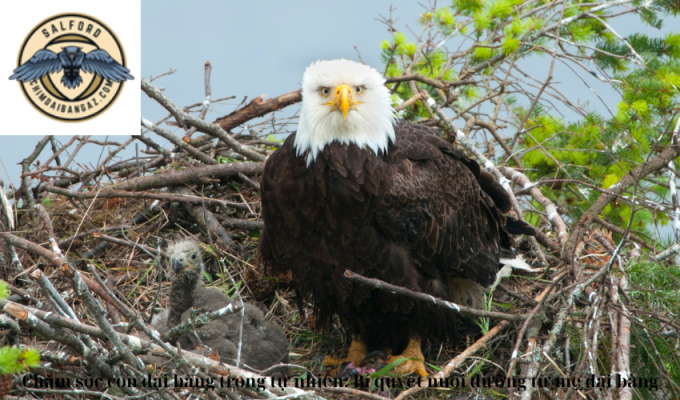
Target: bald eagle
<point>355,188</point>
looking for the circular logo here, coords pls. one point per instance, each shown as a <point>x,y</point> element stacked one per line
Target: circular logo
<point>71,67</point>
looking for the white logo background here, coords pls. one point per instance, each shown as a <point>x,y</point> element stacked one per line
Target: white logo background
<point>18,19</point>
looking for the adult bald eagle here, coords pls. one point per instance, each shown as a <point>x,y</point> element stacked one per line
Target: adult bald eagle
<point>356,189</point>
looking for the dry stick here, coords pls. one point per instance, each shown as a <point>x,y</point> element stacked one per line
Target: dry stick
<point>439,84</point>
<point>34,248</point>
<point>28,315</point>
<point>55,152</point>
<point>190,176</point>
<point>671,251</point>
<point>257,108</point>
<point>208,95</point>
<point>25,166</point>
<point>204,218</point>
<point>99,315</point>
<point>541,301</point>
<point>167,154</point>
<point>25,295</point>
<point>50,292</point>
<point>243,310</point>
<point>102,166</point>
<point>561,318</point>
<point>243,224</point>
<point>20,312</point>
<point>80,286</point>
<point>623,361</point>
<point>7,223</point>
<point>250,182</point>
<point>55,156</point>
<point>184,119</point>
<point>182,198</point>
<point>349,391</point>
<point>178,142</point>
<point>196,322</point>
<point>550,208</point>
<point>621,231</point>
<point>409,102</point>
<point>378,284</point>
<point>159,278</point>
<point>122,242</point>
<point>61,358</point>
<point>654,164</point>
<point>6,212</point>
<point>12,328</point>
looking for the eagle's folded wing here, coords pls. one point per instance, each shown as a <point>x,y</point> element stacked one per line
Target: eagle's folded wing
<point>438,210</point>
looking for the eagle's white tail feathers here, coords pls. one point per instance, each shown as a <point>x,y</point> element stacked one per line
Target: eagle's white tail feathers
<point>517,263</point>
<point>470,293</point>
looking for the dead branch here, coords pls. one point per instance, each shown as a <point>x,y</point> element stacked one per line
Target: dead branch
<point>378,284</point>
<point>190,176</point>
<point>257,108</point>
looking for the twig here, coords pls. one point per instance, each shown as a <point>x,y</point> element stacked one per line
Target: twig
<point>198,321</point>
<point>210,128</point>
<point>243,310</point>
<point>191,175</point>
<point>257,108</point>
<point>378,284</point>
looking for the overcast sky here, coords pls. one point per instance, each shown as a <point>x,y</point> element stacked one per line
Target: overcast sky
<point>263,47</point>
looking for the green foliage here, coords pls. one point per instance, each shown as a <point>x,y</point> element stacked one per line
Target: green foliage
<point>509,45</point>
<point>654,288</point>
<point>597,150</point>
<point>468,7</point>
<point>14,360</point>
<point>483,53</point>
<point>577,157</point>
<point>4,290</point>
<point>445,20</point>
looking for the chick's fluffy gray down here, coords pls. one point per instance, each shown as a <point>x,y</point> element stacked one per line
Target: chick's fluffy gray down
<point>263,344</point>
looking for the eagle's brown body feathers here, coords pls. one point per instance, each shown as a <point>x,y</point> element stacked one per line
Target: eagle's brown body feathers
<point>416,217</point>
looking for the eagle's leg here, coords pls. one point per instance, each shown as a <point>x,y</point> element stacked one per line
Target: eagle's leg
<point>412,350</point>
<point>356,353</point>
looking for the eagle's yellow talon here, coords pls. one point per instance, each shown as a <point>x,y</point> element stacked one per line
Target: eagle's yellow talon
<point>356,353</point>
<point>408,366</point>
<point>412,350</point>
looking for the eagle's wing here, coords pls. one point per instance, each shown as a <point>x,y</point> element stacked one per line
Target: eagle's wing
<point>438,209</point>
<point>42,63</point>
<point>100,63</point>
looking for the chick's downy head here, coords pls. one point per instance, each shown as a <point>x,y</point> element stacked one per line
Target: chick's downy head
<point>184,257</point>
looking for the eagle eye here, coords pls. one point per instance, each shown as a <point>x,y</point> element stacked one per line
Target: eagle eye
<point>193,256</point>
<point>360,89</point>
<point>324,91</point>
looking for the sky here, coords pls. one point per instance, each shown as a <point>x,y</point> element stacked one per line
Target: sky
<point>264,47</point>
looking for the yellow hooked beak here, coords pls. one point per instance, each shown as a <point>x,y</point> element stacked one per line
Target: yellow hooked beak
<point>343,100</point>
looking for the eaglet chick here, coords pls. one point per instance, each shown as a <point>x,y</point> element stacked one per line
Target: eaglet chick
<point>263,344</point>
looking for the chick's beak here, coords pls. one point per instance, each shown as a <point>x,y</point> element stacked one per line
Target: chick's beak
<point>343,98</point>
<point>176,265</point>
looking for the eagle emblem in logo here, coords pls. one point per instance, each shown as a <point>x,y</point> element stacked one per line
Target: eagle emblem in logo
<point>71,67</point>
<point>72,60</point>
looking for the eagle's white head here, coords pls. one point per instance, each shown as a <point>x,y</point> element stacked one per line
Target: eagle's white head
<point>345,101</point>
